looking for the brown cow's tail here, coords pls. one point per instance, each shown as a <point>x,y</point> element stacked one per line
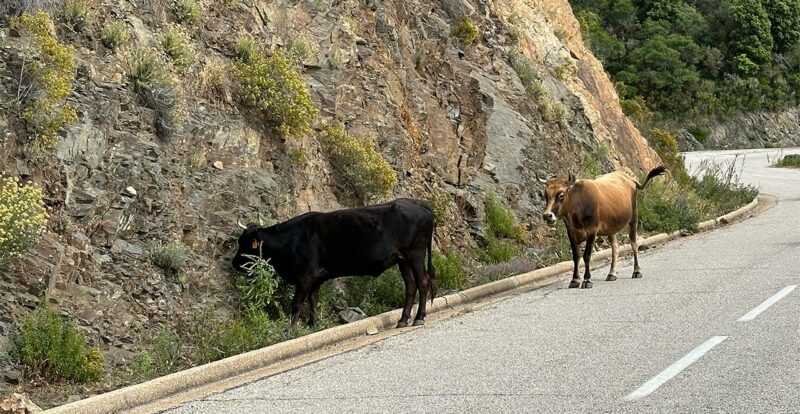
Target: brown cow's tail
<point>431,269</point>
<point>655,172</point>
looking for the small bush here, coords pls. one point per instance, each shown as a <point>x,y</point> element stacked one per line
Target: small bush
<point>496,271</point>
<point>187,12</point>
<point>564,70</point>
<point>593,162</point>
<point>177,45</point>
<point>170,256</point>
<point>442,205</point>
<point>700,133</point>
<point>23,217</point>
<point>790,161</point>
<point>300,49</point>
<point>513,35</point>
<point>247,49</point>
<point>157,88</point>
<point>466,31</point>
<point>450,272</point>
<point>258,288</point>
<point>637,110</point>
<point>164,357</point>
<point>499,221</point>
<point>375,295</point>
<point>273,85</point>
<point>360,164</point>
<point>553,112</point>
<point>49,74</point>
<point>665,208</point>
<point>498,250</point>
<point>114,35</point>
<point>215,79</point>
<point>54,348</point>
<point>76,14</point>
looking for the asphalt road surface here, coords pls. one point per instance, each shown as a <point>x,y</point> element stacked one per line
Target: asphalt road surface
<point>714,326</point>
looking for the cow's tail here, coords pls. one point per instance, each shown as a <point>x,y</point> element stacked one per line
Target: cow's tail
<point>431,269</point>
<point>655,172</point>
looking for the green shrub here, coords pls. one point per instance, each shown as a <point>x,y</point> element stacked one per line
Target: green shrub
<point>466,31</point>
<point>498,250</point>
<point>258,288</point>
<point>563,70</point>
<point>499,221</point>
<point>55,349</point>
<point>157,88</point>
<point>527,75</point>
<point>170,256</point>
<point>164,357</point>
<point>300,49</point>
<point>637,110</point>
<point>76,14</point>
<point>215,79</point>
<point>23,217</point>
<point>593,162</point>
<point>450,272</point>
<point>187,12</point>
<point>49,73</point>
<point>665,208</point>
<point>247,49</point>
<point>114,35</point>
<point>375,295</point>
<point>273,85</point>
<point>360,164</point>
<point>700,133</point>
<point>791,161</point>
<point>177,45</point>
<point>442,204</point>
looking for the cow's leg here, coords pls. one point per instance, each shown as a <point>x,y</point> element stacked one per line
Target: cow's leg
<point>637,273</point>
<point>312,303</point>
<point>423,280</point>
<point>587,258</point>
<point>411,291</point>
<point>576,258</point>
<point>612,273</point>
<point>300,294</point>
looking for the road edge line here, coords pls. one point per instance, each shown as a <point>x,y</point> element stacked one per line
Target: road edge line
<point>151,391</point>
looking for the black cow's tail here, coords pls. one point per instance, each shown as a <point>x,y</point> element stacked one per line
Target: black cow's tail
<point>655,172</point>
<point>431,269</point>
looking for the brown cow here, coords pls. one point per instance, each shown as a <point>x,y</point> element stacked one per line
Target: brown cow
<point>591,208</point>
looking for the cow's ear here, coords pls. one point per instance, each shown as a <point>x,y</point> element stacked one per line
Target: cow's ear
<point>254,244</point>
<point>571,179</point>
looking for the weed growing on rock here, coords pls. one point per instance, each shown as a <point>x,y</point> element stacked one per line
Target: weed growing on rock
<point>23,217</point>
<point>450,271</point>
<point>114,35</point>
<point>300,49</point>
<point>442,204</point>
<point>499,221</point>
<point>247,49</point>
<point>258,288</point>
<point>157,88</point>
<point>77,14</point>
<point>187,12</point>
<point>169,256</point>
<point>164,357</point>
<point>466,31</point>
<point>178,46</point>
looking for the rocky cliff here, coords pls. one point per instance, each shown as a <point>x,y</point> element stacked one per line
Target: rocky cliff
<point>767,129</point>
<point>446,116</point>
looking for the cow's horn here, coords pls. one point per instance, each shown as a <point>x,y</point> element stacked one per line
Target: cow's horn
<point>239,223</point>
<point>539,177</point>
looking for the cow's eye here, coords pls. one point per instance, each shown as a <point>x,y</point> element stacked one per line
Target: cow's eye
<point>561,196</point>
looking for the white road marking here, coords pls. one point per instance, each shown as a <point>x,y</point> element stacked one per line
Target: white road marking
<point>675,369</point>
<point>749,316</point>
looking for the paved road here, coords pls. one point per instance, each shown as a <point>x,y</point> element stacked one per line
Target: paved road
<point>670,342</point>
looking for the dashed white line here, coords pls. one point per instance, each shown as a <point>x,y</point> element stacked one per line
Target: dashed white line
<point>675,369</point>
<point>749,316</point>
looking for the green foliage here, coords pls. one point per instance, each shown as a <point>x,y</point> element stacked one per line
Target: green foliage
<point>375,295</point>
<point>788,161</point>
<point>157,88</point>
<point>169,256</point>
<point>700,133</point>
<point>273,85</point>
<point>359,163</point>
<point>665,208</point>
<point>593,162</point>
<point>247,49</point>
<point>164,356</point>
<point>187,12</point>
<point>54,348</point>
<point>784,18</point>
<point>76,14</point>
<point>23,217</point>
<point>178,46</point>
<point>527,75</point>
<point>750,32</point>
<point>300,48</point>
<point>564,70</point>
<point>498,250</point>
<point>500,222</point>
<point>114,35</point>
<point>450,271</point>
<point>48,72</point>
<point>257,290</point>
<point>442,204</point>
<point>636,108</point>
<point>466,31</point>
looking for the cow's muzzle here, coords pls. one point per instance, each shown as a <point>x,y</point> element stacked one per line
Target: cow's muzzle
<point>549,217</point>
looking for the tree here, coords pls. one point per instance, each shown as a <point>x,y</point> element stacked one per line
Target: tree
<point>784,17</point>
<point>750,31</point>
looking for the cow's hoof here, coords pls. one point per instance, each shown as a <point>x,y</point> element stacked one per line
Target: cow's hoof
<point>611,278</point>
<point>418,322</point>
<point>401,324</point>
<point>637,275</point>
<point>574,284</point>
<point>587,284</point>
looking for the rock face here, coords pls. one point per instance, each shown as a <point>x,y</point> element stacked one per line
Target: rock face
<point>747,130</point>
<point>445,115</point>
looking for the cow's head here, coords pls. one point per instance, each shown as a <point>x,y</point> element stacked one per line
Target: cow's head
<point>249,245</point>
<point>555,192</point>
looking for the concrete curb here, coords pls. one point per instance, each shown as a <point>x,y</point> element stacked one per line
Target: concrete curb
<point>159,388</point>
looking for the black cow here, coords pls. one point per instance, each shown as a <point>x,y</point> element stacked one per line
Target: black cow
<point>314,247</point>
